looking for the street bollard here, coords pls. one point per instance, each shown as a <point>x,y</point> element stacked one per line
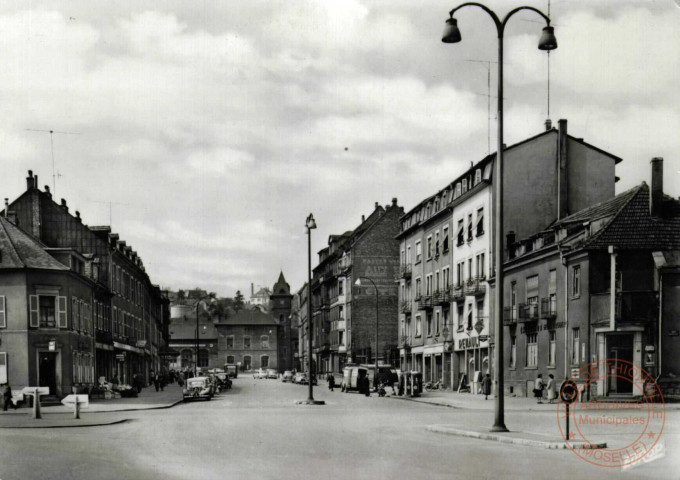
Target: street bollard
<point>76,409</point>
<point>36,404</point>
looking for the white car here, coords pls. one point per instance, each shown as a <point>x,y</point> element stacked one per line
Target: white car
<point>197,387</point>
<point>261,373</point>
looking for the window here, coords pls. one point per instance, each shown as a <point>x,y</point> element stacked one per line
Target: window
<point>230,343</point>
<point>478,176</point>
<point>3,315</point>
<point>446,277</point>
<point>3,367</point>
<point>469,318</point>
<point>460,238</point>
<point>513,351</point>
<point>203,357</point>
<point>575,334</point>
<point>419,326</point>
<point>48,310</point>
<point>247,362</point>
<point>460,273</point>
<point>480,222</point>
<point>461,316</point>
<point>418,288</point>
<point>408,255</point>
<point>230,359</point>
<point>428,285</point>
<point>465,185</point>
<point>429,324</point>
<point>576,281</point>
<point>264,341</point>
<point>532,350</point>
<point>429,247</point>
<point>419,252</point>
<point>436,244</point>
<point>437,321</point>
<point>469,228</point>
<point>437,285</point>
<point>246,341</point>
<point>469,269</point>
<point>480,309</point>
<point>552,292</point>
<point>481,267</point>
<point>341,285</point>
<point>551,349</point>
<point>264,361</point>
<point>341,312</point>
<point>445,239</point>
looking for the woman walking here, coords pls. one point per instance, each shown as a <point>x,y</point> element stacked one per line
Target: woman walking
<point>539,385</point>
<point>551,388</point>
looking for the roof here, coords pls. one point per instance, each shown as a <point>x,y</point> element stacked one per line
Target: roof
<point>281,285</point>
<point>600,210</point>
<point>187,330</point>
<point>21,250</point>
<point>249,317</point>
<point>634,228</point>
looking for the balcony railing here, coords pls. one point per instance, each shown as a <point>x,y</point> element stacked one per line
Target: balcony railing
<point>528,312</point>
<point>549,308</point>
<point>509,315</point>
<point>475,286</point>
<point>425,302</point>
<point>406,306</point>
<point>405,271</point>
<point>442,297</point>
<point>458,293</point>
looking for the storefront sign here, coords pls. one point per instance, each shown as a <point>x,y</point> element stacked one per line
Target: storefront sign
<point>120,357</point>
<point>53,345</point>
<point>466,343</point>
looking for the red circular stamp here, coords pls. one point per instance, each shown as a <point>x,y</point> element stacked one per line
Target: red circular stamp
<point>628,414</point>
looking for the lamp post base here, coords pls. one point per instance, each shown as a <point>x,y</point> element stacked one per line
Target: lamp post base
<point>499,428</point>
<point>310,402</point>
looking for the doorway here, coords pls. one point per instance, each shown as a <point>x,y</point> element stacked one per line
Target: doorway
<point>619,349</point>
<point>47,371</point>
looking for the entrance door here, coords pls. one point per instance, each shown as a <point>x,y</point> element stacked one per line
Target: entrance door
<point>47,371</point>
<point>619,347</point>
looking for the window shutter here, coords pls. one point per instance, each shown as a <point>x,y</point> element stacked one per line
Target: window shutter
<point>33,300</point>
<point>3,313</point>
<point>61,312</point>
<point>3,367</point>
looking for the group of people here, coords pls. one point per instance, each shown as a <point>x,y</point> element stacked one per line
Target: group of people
<point>540,385</point>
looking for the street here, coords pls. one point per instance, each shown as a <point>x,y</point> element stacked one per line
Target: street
<point>257,431</point>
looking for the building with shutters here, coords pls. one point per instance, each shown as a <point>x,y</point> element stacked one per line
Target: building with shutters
<point>248,339</point>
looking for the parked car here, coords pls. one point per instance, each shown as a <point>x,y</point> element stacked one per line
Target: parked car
<point>197,387</point>
<point>287,376</point>
<point>231,369</point>
<point>301,379</point>
<point>350,376</point>
<point>271,373</point>
<point>223,381</point>
<point>260,373</point>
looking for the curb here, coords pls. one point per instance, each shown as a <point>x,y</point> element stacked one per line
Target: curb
<point>98,424</point>
<point>448,430</point>
<point>154,407</point>
<point>435,404</point>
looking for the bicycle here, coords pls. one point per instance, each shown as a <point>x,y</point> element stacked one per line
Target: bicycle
<point>429,386</point>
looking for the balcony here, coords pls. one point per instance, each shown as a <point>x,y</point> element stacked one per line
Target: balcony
<point>442,297</point>
<point>406,306</point>
<point>458,293</point>
<point>405,271</point>
<point>475,286</point>
<point>528,312</point>
<point>425,302</point>
<point>405,342</point>
<point>630,307</point>
<point>345,264</point>
<point>549,308</point>
<point>509,316</point>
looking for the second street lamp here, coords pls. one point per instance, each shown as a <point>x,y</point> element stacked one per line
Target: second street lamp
<point>546,42</point>
<point>198,303</point>
<point>358,284</point>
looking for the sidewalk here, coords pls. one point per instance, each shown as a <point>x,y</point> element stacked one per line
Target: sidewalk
<point>62,416</point>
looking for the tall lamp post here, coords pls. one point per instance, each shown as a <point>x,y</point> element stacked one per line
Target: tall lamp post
<point>546,42</point>
<point>358,284</point>
<point>310,225</point>
<point>198,303</point>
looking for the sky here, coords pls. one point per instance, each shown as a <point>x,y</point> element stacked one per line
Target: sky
<point>205,132</point>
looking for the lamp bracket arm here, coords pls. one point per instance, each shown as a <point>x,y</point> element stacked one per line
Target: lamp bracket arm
<point>518,9</point>
<point>496,20</point>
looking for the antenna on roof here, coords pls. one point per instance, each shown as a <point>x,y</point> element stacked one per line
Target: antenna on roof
<point>54,173</point>
<point>487,64</point>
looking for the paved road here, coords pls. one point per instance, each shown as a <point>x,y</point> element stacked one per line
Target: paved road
<point>255,431</point>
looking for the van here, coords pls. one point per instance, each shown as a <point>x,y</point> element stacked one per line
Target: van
<point>387,374</point>
<point>350,376</point>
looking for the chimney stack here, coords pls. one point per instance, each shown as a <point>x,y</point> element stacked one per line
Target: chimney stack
<point>562,171</point>
<point>394,201</point>
<point>47,191</point>
<point>377,204</point>
<point>63,204</point>
<point>30,181</point>
<point>363,218</point>
<point>656,189</point>
<point>252,289</point>
<point>78,216</point>
<point>548,124</point>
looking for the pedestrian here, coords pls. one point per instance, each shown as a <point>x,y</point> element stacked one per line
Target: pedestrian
<point>163,380</point>
<point>539,385</point>
<point>331,382</point>
<point>486,386</point>
<point>180,379</point>
<point>552,394</point>
<point>7,398</point>
<point>157,381</point>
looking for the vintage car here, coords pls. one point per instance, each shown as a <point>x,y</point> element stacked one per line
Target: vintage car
<point>271,373</point>
<point>260,374</point>
<point>287,376</point>
<point>231,369</point>
<point>302,379</point>
<point>197,387</point>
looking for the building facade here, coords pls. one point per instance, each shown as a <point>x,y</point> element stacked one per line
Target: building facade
<point>280,306</point>
<point>248,339</point>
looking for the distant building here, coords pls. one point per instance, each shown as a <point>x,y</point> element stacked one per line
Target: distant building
<point>259,299</point>
<point>249,339</point>
<point>280,304</point>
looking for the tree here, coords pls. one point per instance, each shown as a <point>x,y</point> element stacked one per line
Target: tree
<point>238,301</point>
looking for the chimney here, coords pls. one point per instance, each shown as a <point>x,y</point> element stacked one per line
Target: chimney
<point>47,191</point>
<point>6,207</point>
<point>548,124</point>
<point>78,217</point>
<point>35,182</point>
<point>656,189</point>
<point>394,201</point>
<point>509,238</point>
<point>252,289</point>
<point>562,171</point>
<point>377,205</point>
<point>30,181</point>
<point>63,204</point>
<point>363,218</point>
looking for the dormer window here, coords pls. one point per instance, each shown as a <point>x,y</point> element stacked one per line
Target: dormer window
<point>478,176</point>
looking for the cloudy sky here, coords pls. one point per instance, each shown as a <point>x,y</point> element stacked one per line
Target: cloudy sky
<point>209,130</point>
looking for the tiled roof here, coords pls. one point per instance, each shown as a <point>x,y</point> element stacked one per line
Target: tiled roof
<point>633,228</point>
<point>600,210</point>
<point>187,330</point>
<point>249,317</point>
<point>20,250</point>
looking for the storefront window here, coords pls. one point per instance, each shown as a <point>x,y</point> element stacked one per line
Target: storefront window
<point>532,350</point>
<point>47,311</point>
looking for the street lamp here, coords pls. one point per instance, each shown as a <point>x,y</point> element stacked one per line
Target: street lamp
<point>310,225</point>
<point>546,42</point>
<point>198,303</point>
<point>358,284</point>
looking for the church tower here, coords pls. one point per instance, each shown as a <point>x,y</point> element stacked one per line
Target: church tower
<point>280,303</point>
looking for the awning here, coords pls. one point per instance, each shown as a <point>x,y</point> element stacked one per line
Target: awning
<point>128,348</point>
